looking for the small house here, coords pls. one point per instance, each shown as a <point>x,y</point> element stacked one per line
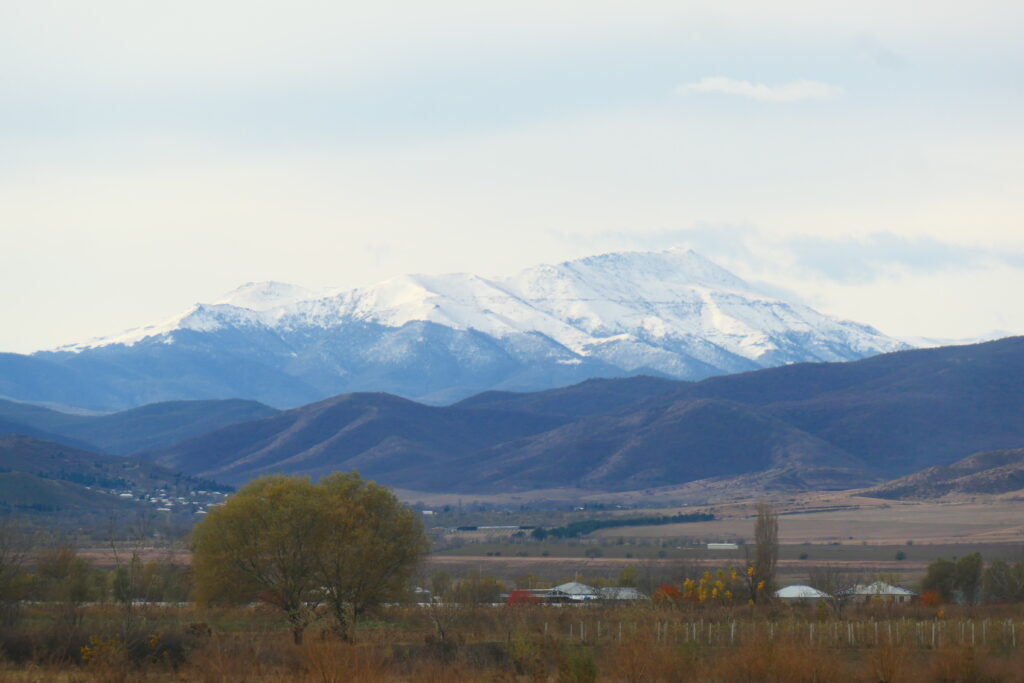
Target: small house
<point>576,591</point>
<point>879,591</point>
<point>803,595</point>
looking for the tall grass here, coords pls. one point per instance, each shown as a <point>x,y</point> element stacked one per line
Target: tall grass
<point>530,643</point>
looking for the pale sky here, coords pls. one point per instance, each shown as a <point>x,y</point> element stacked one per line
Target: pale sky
<point>867,157</point>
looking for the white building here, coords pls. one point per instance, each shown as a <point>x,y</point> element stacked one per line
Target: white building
<point>878,591</point>
<point>576,591</point>
<point>801,594</point>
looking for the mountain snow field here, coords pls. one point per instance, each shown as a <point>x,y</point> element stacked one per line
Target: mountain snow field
<point>438,338</point>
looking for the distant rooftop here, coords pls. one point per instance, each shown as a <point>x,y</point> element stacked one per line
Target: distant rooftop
<point>876,588</point>
<point>800,592</point>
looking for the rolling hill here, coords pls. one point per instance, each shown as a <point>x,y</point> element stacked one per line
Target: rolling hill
<point>123,433</point>
<point>378,434</point>
<point>898,412</point>
<point>56,461</point>
<point>48,477</point>
<point>991,472</point>
<point>831,425</point>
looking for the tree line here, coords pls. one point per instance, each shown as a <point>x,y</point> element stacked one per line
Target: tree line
<point>580,528</point>
<point>966,580</point>
<point>59,576</point>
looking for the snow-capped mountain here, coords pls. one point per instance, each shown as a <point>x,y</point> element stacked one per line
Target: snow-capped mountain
<point>441,337</point>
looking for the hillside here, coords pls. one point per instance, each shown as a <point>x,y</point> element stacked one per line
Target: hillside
<point>898,412</point>
<point>378,434</point>
<point>991,472</point>
<point>44,476</point>
<point>591,397</point>
<point>835,425</point>
<point>8,426</point>
<point>147,427</point>
<point>677,442</point>
<point>23,493</point>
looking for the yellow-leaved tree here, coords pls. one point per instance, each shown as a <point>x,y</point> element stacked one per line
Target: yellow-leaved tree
<point>293,544</point>
<point>371,547</point>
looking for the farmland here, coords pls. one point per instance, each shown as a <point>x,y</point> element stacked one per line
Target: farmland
<point>470,635</point>
<point>860,535</point>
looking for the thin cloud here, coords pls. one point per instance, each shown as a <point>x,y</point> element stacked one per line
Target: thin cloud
<point>794,91</point>
<point>866,260</point>
<point>711,240</point>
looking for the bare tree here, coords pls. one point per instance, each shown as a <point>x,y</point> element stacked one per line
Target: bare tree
<point>128,571</point>
<point>831,580</point>
<point>766,552</point>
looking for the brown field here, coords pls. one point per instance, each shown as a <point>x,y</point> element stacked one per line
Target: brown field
<point>652,641</point>
<point>858,535</point>
<point>854,534</point>
<point>844,517</point>
<point>632,643</point>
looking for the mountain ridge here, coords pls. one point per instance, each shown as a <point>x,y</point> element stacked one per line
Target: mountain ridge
<point>442,338</point>
<point>840,425</point>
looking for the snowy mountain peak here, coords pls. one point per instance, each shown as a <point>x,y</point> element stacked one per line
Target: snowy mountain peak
<point>263,296</point>
<point>675,266</point>
<point>672,312</point>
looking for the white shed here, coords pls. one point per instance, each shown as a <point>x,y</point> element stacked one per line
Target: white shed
<point>800,594</point>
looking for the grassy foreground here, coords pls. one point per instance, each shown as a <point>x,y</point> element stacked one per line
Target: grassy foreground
<point>529,643</point>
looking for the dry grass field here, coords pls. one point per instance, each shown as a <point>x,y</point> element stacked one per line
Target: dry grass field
<point>855,534</point>
<point>583,644</point>
<point>846,517</point>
